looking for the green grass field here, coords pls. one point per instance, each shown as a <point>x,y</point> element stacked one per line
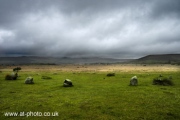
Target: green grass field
<point>94,96</point>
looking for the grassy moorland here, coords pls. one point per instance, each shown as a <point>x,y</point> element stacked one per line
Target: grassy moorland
<point>94,96</point>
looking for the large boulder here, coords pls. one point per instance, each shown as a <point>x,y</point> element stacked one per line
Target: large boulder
<point>29,80</point>
<point>67,83</point>
<point>134,81</point>
<point>12,76</point>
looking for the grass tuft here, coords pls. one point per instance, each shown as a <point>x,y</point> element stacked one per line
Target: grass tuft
<point>163,81</point>
<point>46,77</point>
<point>110,74</point>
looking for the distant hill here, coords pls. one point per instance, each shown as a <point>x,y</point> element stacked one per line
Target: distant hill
<point>36,60</point>
<point>159,59</point>
<point>30,60</point>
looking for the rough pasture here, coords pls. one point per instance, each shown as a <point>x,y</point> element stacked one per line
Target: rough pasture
<point>94,95</point>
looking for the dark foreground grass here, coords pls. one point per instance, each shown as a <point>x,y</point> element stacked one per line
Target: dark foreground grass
<point>93,97</point>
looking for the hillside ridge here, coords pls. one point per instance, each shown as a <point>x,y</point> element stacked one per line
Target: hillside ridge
<point>160,58</point>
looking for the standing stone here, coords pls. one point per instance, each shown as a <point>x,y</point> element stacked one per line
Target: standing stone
<point>29,80</point>
<point>134,81</point>
<point>67,83</point>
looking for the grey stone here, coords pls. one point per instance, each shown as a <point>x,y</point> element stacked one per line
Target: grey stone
<point>134,81</point>
<point>29,80</point>
<point>67,83</point>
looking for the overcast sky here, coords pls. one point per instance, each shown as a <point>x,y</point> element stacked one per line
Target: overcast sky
<point>83,28</point>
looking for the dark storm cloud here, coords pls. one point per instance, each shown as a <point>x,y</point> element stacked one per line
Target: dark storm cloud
<point>166,8</point>
<point>107,28</point>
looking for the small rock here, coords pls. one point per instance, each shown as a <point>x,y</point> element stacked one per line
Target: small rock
<point>67,83</point>
<point>134,81</point>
